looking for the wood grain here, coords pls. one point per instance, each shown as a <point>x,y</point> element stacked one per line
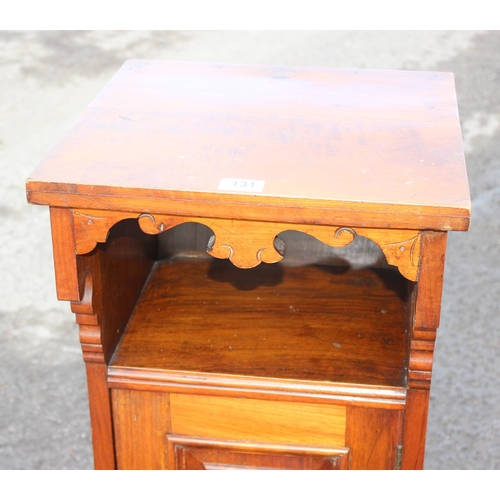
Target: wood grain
<point>348,146</point>
<point>64,249</point>
<point>208,316</point>
<point>187,453</point>
<point>430,286</point>
<point>147,379</point>
<point>425,308</point>
<point>255,420</point>
<point>248,243</point>
<point>112,276</point>
<point>119,269</point>
<point>141,422</point>
<point>415,428</point>
<point>343,213</point>
<point>88,321</point>
<point>100,417</point>
<point>264,353</point>
<point>373,435</point>
<point>190,240</point>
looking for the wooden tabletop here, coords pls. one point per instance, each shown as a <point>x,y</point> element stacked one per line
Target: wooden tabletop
<point>311,145</point>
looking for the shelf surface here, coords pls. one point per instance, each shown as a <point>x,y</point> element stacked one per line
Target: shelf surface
<point>311,323</point>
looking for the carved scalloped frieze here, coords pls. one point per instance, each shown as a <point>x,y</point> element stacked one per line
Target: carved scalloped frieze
<point>401,248</point>
<point>248,243</point>
<point>245,243</point>
<point>152,224</point>
<point>90,331</point>
<point>93,226</point>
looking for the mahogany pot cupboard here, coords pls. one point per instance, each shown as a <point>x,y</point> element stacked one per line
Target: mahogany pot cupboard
<point>255,257</point>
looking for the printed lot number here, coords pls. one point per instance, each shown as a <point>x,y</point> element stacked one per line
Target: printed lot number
<point>245,185</point>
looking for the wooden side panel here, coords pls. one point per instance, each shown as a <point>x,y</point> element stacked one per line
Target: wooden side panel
<point>120,268</point>
<point>257,420</point>
<point>117,271</point>
<point>186,453</point>
<point>415,428</point>
<point>372,435</point>
<point>63,243</point>
<point>100,416</point>
<point>141,420</point>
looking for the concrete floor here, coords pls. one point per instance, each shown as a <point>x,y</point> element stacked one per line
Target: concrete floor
<point>48,78</point>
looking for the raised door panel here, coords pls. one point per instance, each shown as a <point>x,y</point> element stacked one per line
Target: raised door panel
<point>188,453</point>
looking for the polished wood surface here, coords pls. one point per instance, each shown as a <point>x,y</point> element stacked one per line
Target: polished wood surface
<point>428,306</point>
<point>186,453</point>
<point>144,422</point>
<point>248,243</point>
<point>380,431</point>
<point>193,363</point>
<point>424,318</point>
<point>100,417</point>
<point>119,268</point>
<point>64,250</point>
<point>111,277</point>
<point>264,421</point>
<point>141,420</point>
<point>343,145</point>
<point>208,316</point>
<point>415,423</point>
<point>238,386</point>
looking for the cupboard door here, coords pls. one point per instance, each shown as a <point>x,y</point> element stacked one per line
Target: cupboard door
<point>190,453</point>
<point>207,432</point>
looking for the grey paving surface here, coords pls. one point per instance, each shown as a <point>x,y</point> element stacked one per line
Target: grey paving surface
<point>48,78</point>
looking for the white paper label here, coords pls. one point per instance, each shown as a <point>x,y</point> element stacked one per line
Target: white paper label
<point>245,185</point>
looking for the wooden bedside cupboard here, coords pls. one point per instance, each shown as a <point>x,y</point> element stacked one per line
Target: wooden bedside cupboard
<point>255,258</point>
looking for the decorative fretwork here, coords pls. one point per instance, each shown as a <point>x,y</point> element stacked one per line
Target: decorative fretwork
<point>248,243</point>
